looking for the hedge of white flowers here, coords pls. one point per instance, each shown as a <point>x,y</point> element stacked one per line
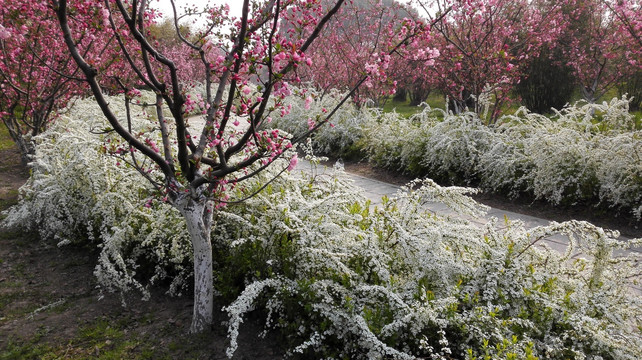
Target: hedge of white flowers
<point>338,137</point>
<point>340,277</point>
<point>585,153</point>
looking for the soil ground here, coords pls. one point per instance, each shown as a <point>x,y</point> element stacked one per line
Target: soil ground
<point>50,307</point>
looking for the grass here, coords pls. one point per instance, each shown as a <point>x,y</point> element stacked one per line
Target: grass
<point>26,350</point>
<point>5,140</point>
<point>99,340</point>
<point>12,196</point>
<point>403,108</point>
<point>638,119</point>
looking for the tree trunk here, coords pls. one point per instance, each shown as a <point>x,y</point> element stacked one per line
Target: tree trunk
<point>198,217</point>
<point>589,94</point>
<point>25,146</point>
<point>418,95</point>
<point>400,95</point>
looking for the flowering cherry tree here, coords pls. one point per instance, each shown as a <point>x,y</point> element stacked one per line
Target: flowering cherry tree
<point>484,45</point>
<point>629,16</point>
<point>358,42</point>
<point>246,73</point>
<point>598,48</point>
<point>36,75</point>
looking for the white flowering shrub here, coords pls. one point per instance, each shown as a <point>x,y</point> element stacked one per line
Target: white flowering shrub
<point>344,280</point>
<point>339,137</point>
<point>586,153</point>
<point>339,277</point>
<point>78,193</point>
<point>402,151</point>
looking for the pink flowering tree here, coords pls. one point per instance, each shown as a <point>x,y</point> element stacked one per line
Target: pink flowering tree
<point>629,14</point>
<point>484,45</point>
<point>163,36</point>
<point>629,23</point>
<point>412,72</point>
<point>247,64</point>
<point>38,76</point>
<point>36,73</point>
<point>598,48</point>
<point>358,42</point>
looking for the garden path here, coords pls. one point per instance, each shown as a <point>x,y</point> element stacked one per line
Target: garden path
<point>374,190</point>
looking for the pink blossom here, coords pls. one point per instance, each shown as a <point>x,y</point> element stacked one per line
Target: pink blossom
<point>293,161</point>
<point>4,33</point>
<point>308,101</point>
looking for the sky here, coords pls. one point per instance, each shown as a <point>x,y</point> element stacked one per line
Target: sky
<point>166,8</point>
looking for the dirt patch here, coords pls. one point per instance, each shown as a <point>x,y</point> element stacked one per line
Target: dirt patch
<point>12,176</point>
<point>369,171</point>
<point>50,306</point>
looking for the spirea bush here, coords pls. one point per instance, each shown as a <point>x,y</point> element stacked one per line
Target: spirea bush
<point>585,153</point>
<point>339,137</point>
<point>337,276</point>
<point>345,280</point>
<point>82,190</point>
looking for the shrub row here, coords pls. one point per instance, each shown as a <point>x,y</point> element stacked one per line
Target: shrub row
<point>339,277</point>
<point>585,153</point>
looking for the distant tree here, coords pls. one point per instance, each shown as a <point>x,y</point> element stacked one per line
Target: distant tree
<point>412,72</point>
<point>547,82</point>
<point>357,42</point>
<point>629,15</point>
<point>401,94</point>
<point>485,45</point>
<point>597,49</point>
<point>632,87</point>
<point>36,74</point>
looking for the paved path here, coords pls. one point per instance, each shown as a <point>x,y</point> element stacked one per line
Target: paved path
<point>375,190</point>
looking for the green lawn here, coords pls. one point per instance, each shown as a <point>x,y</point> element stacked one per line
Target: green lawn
<point>5,140</point>
<point>403,108</point>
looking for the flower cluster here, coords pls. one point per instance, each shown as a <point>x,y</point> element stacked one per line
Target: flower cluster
<point>347,280</point>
